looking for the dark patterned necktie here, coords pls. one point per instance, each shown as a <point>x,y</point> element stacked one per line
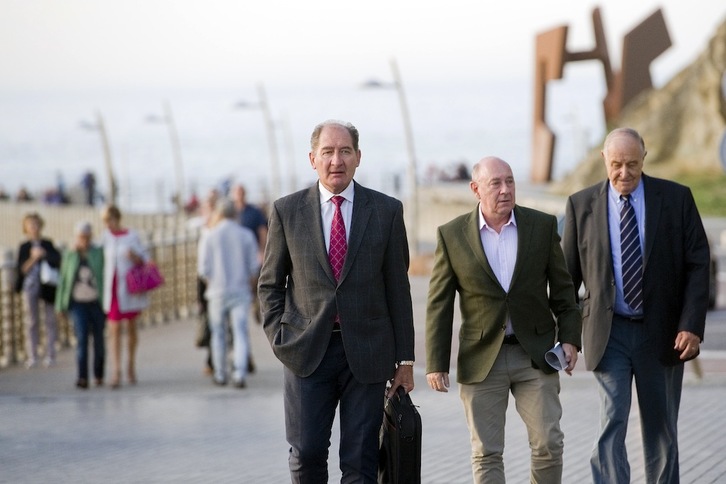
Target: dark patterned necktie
<point>338,244</point>
<point>632,258</point>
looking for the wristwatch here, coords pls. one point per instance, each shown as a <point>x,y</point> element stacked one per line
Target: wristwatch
<point>405,363</point>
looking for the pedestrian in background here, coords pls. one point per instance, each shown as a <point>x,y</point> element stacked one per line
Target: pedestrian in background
<point>122,249</point>
<point>336,307</point>
<point>207,220</point>
<point>80,288</point>
<point>638,245</point>
<point>33,254</point>
<point>516,300</point>
<point>228,263</point>
<point>254,219</point>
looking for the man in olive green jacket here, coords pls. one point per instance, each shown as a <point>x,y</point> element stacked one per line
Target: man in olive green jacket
<point>506,264</point>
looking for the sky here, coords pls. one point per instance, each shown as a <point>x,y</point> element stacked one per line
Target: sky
<point>80,44</point>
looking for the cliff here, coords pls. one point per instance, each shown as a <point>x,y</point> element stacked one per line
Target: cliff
<point>682,123</point>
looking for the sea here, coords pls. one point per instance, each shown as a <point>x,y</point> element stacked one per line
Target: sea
<point>49,139</point>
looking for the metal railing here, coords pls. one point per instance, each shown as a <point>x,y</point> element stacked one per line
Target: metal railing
<point>173,250</point>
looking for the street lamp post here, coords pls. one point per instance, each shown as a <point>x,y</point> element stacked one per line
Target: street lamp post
<point>271,139</point>
<point>100,126</point>
<point>291,156</point>
<point>411,172</point>
<point>168,119</point>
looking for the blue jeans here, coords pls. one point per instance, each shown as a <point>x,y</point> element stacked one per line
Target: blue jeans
<point>632,353</point>
<point>235,309</point>
<point>88,319</point>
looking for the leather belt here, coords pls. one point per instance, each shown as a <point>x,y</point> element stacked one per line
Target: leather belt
<point>336,327</point>
<point>631,319</point>
<point>510,339</point>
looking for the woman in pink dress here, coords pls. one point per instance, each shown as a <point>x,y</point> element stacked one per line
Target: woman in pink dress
<point>122,249</point>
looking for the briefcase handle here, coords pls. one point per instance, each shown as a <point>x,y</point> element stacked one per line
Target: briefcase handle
<point>400,392</point>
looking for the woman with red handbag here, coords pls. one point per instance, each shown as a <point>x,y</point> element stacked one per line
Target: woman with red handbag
<point>122,250</point>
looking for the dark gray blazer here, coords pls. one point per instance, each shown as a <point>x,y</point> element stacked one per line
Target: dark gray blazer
<point>675,272</point>
<point>299,297</point>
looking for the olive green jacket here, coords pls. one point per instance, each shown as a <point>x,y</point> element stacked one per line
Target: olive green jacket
<point>540,302</point>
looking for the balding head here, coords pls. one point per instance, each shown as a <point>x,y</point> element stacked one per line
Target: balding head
<point>623,153</point>
<point>492,182</point>
<point>483,166</point>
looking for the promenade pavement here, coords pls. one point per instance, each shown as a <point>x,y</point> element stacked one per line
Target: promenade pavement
<point>175,426</point>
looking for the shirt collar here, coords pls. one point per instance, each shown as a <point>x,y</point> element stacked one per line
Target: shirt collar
<point>483,223</point>
<point>636,195</point>
<point>326,194</point>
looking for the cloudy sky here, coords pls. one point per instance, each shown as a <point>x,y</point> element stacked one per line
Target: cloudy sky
<point>223,43</point>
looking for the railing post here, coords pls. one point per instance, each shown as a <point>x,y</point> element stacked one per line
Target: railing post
<point>171,245</point>
<point>8,351</point>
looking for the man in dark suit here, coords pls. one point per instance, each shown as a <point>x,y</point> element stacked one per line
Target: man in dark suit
<point>644,306</point>
<point>516,300</point>
<point>340,322</point>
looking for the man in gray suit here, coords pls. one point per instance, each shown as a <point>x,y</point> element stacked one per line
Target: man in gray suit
<point>644,306</point>
<point>342,328</point>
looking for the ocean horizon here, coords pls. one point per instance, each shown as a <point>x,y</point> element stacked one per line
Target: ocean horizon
<point>43,142</point>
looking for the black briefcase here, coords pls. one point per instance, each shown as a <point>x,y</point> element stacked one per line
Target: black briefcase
<point>399,459</point>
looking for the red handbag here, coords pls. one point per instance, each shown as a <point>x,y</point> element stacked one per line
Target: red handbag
<point>143,277</point>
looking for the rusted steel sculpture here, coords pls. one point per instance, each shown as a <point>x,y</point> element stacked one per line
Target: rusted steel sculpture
<point>641,46</point>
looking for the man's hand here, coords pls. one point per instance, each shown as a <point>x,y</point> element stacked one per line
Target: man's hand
<point>402,378</point>
<point>438,380</point>
<point>688,344</point>
<point>570,356</point>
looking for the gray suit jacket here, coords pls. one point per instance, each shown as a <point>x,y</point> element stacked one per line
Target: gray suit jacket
<point>299,297</point>
<point>540,288</point>
<point>675,271</point>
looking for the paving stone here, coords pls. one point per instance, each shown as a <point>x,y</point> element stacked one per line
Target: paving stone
<point>175,426</point>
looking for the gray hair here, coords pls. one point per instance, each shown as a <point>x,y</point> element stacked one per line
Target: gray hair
<point>633,134</point>
<point>225,208</point>
<point>315,138</point>
<point>83,228</point>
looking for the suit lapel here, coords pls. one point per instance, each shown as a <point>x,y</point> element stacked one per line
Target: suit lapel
<point>524,235</point>
<point>358,224</point>
<point>310,210</point>
<point>653,201</point>
<point>470,232</point>
<point>600,214</point>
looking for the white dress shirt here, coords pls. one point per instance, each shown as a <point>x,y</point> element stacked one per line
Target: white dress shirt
<point>501,251</point>
<point>327,209</point>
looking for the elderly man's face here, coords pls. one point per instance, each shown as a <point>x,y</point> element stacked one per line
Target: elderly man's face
<point>624,163</point>
<point>335,159</point>
<point>495,188</point>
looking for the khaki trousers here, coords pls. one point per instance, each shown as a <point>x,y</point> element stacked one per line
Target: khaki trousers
<point>537,400</point>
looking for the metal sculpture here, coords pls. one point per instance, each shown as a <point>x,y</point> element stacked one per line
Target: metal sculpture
<point>641,46</point>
